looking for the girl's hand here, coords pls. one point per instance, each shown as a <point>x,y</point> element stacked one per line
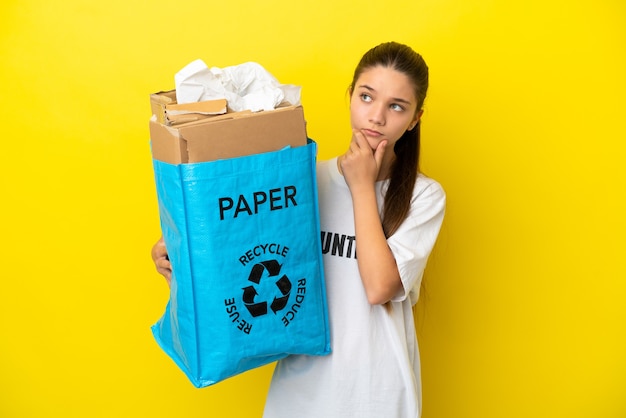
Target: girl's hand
<point>161,260</point>
<point>360,165</point>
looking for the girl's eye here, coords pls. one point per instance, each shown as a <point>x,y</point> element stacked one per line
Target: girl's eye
<point>366,97</point>
<point>397,107</point>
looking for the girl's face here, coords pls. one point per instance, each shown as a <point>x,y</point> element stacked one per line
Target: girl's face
<point>383,105</point>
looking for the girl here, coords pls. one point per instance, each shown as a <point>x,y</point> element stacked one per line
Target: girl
<point>375,196</point>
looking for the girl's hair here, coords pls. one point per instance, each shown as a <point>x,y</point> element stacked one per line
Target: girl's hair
<point>405,168</point>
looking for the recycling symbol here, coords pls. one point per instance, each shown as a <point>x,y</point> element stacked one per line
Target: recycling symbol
<point>283,284</point>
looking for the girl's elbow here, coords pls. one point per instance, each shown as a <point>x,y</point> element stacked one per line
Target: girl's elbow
<point>377,299</point>
<point>382,294</point>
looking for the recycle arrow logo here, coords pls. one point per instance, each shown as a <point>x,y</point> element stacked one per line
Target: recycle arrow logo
<point>283,284</point>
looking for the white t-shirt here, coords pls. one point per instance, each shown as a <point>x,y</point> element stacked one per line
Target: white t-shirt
<point>374,368</point>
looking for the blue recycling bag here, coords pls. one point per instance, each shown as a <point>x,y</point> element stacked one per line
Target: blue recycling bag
<point>243,238</point>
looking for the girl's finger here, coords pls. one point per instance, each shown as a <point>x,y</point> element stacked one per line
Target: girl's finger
<point>359,139</point>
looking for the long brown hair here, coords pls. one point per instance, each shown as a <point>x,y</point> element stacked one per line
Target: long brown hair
<point>405,168</point>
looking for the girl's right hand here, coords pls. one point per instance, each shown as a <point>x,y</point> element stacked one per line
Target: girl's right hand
<point>361,165</point>
<point>161,260</point>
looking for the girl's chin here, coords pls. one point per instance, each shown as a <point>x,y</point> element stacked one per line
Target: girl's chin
<point>373,142</point>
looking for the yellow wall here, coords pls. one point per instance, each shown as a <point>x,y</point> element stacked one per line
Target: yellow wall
<point>525,311</point>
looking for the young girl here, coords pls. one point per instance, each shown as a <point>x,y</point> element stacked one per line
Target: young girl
<point>375,196</point>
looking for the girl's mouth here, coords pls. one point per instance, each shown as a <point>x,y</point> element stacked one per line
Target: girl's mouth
<point>372,133</point>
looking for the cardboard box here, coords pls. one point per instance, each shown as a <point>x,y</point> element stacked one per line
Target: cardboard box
<point>230,135</point>
<point>169,112</point>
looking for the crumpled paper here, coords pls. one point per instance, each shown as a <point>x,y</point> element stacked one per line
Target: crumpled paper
<point>247,86</point>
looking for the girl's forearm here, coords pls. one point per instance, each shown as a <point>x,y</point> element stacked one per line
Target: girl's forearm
<point>377,265</point>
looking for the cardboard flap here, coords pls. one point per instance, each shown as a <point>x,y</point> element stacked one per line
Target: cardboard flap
<point>166,144</point>
<point>208,107</point>
<point>245,134</point>
<point>169,112</point>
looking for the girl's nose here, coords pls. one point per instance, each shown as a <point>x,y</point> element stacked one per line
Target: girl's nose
<point>377,115</point>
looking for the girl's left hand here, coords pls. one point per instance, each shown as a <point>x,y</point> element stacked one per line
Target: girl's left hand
<point>360,164</point>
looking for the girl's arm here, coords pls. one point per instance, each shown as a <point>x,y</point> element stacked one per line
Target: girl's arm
<point>377,265</point>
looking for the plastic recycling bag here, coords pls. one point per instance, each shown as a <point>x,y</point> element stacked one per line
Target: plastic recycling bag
<point>247,287</point>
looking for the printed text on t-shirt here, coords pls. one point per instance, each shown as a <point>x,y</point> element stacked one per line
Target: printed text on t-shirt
<point>339,245</point>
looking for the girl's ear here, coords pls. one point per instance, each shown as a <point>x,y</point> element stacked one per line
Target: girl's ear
<point>416,119</point>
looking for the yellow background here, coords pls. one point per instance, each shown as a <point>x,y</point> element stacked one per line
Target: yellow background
<point>525,310</point>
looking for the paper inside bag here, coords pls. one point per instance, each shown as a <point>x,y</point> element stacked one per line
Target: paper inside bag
<point>246,86</point>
